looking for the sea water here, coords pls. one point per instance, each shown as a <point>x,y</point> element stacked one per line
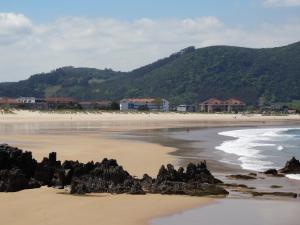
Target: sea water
<point>237,212</point>
<point>261,148</point>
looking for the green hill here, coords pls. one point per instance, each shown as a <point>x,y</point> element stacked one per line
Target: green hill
<point>188,76</point>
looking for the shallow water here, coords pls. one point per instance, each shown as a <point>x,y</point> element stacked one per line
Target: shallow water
<point>238,212</point>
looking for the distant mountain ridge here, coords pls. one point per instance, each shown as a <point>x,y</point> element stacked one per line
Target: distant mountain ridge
<point>188,76</point>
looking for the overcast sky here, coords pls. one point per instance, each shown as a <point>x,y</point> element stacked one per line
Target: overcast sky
<point>38,36</point>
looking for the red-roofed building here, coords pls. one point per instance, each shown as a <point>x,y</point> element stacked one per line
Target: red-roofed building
<point>8,102</point>
<point>60,103</point>
<point>217,105</point>
<point>234,105</point>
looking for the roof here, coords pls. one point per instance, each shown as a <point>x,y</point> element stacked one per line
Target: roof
<point>234,101</point>
<point>60,100</point>
<point>8,101</point>
<point>213,101</point>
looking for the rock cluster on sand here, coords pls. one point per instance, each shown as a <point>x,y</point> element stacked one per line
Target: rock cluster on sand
<point>241,177</point>
<point>19,171</point>
<point>292,166</point>
<point>195,181</point>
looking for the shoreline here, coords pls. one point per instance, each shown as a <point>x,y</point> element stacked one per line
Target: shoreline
<point>76,139</point>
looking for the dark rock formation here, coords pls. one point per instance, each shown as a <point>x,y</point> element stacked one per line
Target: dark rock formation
<point>45,170</point>
<point>292,166</point>
<point>273,172</point>
<point>18,171</point>
<point>275,186</point>
<point>195,181</point>
<point>11,157</point>
<point>146,182</point>
<point>15,180</point>
<point>241,177</point>
<point>106,176</point>
<point>278,194</point>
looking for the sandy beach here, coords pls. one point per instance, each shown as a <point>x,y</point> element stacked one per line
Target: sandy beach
<point>137,120</point>
<point>87,137</point>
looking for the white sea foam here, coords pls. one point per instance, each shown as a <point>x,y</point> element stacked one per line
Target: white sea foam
<point>293,176</point>
<point>280,147</point>
<point>250,146</point>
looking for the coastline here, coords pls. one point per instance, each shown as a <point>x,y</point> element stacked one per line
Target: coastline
<point>92,137</point>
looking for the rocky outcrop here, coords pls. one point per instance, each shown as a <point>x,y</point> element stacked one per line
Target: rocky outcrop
<point>106,176</point>
<point>292,166</point>
<point>273,172</point>
<point>241,177</point>
<point>16,170</point>
<point>15,180</point>
<point>196,180</point>
<point>11,157</point>
<point>19,171</point>
<point>278,194</point>
<point>45,170</point>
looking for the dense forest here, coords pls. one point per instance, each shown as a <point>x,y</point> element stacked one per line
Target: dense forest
<point>189,76</point>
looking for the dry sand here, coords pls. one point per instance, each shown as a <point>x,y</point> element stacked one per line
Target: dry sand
<point>137,120</point>
<point>50,207</point>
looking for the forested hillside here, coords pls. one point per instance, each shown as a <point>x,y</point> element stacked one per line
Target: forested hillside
<point>188,76</point>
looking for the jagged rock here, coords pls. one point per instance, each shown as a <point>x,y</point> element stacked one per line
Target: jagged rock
<point>241,177</point>
<point>45,170</point>
<point>292,166</point>
<point>11,157</point>
<point>20,171</point>
<point>136,189</point>
<point>146,182</point>
<point>106,176</point>
<point>196,180</point>
<point>79,187</point>
<point>15,180</point>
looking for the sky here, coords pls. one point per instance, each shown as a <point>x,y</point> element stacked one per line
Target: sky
<point>39,36</point>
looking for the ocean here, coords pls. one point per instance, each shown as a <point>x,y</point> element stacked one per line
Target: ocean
<point>260,149</point>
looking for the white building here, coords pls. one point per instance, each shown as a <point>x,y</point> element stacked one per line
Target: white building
<point>152,104</point>
<point>26,100</point>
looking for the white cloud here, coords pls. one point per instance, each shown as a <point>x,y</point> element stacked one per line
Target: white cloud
<point>27,48</point>
<point>281,3</point>
<point>13,27</point>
